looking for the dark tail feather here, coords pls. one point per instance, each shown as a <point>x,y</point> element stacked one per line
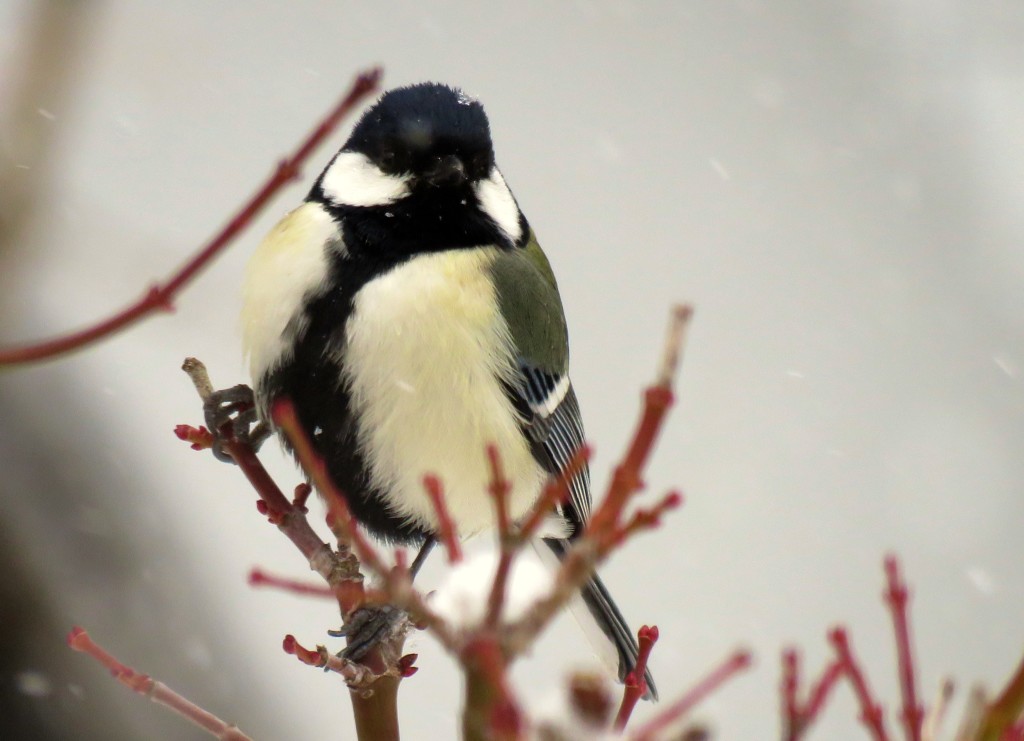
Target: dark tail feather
<point>608,617</point>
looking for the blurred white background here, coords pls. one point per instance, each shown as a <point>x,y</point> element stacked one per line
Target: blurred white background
<point>836,186</point>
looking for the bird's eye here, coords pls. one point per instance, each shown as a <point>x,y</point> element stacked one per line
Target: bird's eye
<point>387,159</point>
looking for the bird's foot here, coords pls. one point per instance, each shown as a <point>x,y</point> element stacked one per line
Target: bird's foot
<point>368,626</point>
<point>235,406</point>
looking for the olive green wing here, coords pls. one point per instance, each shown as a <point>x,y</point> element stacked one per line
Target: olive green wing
<point>542,392</point>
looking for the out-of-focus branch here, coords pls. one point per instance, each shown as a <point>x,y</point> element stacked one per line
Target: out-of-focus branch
<point>446,526</point>
<point>260,578</point>
<point>156,691</point>
<point>1005,712</point>
<point>676,710</point>
<point>870,708</point>
<point>896,597</point>
<point>605,530</point>
<point>398,581</point>
<point>160,297</point>
<point>932,723</point>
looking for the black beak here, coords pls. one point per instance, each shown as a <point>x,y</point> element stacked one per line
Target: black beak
<point>446,171</point>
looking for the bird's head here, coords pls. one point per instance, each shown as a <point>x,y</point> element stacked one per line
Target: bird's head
<point>418,172</point>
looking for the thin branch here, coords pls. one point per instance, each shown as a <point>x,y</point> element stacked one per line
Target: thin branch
<point>936,714</point>
<point>499,489</point>
<point>156,691</point>
<point>973,714</point>
<point>819,693</point>
<point>554,493</point>
<point>160,297</point>
<point>397,580</point>
<point>650,730</point>
<point>260,578</point>
<point>790,703</point>
<point>896,596</point>
<point>446,526</point>
<point>491,710</point>
<point>604,530</point>
<point>199,438</point>
<point>355,675</point>
<point>636,683</point>
<point>334,568</point>
<point>871,710</point>
<point>627,477</point>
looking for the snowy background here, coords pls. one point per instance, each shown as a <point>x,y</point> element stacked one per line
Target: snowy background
<point>836,186</point>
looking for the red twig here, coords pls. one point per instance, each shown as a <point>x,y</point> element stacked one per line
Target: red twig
<point>338,570</point>
<point>301,496</point>
<point>738,661</point>
<point>156,691</point>
<point>790,704</point>
<point>603,531</point>
<point>282,412</point>
<point>260,578</point>
<point>499,489</point>
<point>820,692</point>
<point>646,518</point>
<point>200,438</point>
<point>495,714</point>
<point>398,580</point>
<point>445,524</point>
<point>160,297</point>
<point>355,675</point>
<point>555,492</point>
<point>871,711</point>
<point>799,718</point>
<point>626,479</point>
<point>896,596</point>
<point>636,683</point>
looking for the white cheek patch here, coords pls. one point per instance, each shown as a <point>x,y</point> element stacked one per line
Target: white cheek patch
<point>497,202</point>
<point>352,180</point>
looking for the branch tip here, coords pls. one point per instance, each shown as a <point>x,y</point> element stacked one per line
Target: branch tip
<point>675,341</point>
<point>446,526</point>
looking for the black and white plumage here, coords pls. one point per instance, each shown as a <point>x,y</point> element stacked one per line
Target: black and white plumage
<point>408,312</point>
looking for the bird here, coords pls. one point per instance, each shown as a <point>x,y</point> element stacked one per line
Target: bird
<point>408,312</point>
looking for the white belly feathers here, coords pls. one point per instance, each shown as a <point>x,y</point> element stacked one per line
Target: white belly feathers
<point>426,346</point>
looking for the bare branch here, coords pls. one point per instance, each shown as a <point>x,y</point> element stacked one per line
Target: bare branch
<point>650,730</point>
<point>156,691</point>
<point>870,709</point>
<point>896,596</point>
<point>160,297</point>
<point>636,684</point>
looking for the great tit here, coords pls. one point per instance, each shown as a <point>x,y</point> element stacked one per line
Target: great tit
<point>408,312</point>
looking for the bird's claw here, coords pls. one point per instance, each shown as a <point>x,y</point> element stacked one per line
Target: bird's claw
<point>367,627</point>
<point>235,406</point>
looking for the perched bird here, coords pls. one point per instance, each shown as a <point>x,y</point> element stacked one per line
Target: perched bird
<point>408,312</point>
